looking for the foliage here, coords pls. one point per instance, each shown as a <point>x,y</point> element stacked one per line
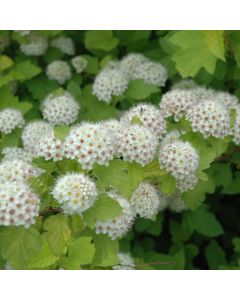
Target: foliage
<point>205,235</point>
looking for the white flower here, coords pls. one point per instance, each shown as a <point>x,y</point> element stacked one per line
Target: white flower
<point>149,115</point>
<point>235,131</point>
<point>17,170</point>
<point>109,83</point>
<point>33,131</point>
<point>89,143</point>
<point>59,70</point>
<point>19,205</point>
<point>176,204</point>
<point>229,100</point>
<point>129,63</point>
<point>10,119</point>
<point>76,192</point>
<point>210,118</point>
<point>146,201</point>
<point>113,125</point>
<point>126,262</point>
<point>79,63</point>
<point>120,225</point>
<point>36,46</point>
<point>181,160</point>
<point>11,153</point>
<point>203,93</point>
<point>64,44</point>
<point>151,72</point>
<point>176,103</point>
<point>49,147</point>
<point>136,143</point>
<point>60,110</point>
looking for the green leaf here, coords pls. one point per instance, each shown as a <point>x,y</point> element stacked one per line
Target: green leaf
<point>236,243</point>
<point>203,222</point>
<point>74,89</point>
<point>106,254</point>
<point>60,132</point>
<point>214,39</point>
<point>5,62</point>
<point>195,52</point>
<point>215,255</point>
<point>92,64</point>
<point>221,173</point>
<point>234,187</point>
<point>105,208</point>
<point>58,233</point>
<point>168,184</point>
<point>140,90</point>
<point>81,252</point>
<point>100,40</point>
<point>40,87</point>
<point>43,259</point>
<point>207,156</point>
<point>18,245</point>
<point>11,139</point>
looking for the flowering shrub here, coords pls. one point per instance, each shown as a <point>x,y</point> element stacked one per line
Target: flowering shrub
<point>119,150</point>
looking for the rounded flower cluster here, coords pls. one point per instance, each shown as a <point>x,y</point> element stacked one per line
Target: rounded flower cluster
<point>11,153</point>
<point>170,137</point>
<point>17,170</point>
<point>229,100</point>
<point>76,192</point>
<point>79,63</point>
<point>210,118</point>
<point>176,103</point>
<point>136,143</point>
<point>145,201</point>
<point>181,160</point>
<point>129,63</point>
<point>109,83</point>
<point>235,131</point>
<point>151,72</point>
<point>113,125</point>
<point>176,204</point>
<point>33,131</point>
<point>64,44</point>
<point>149,115</point>
<point>60,110</point>
<point>10,119</point>
<point>36,46</point>
<point>59,70</point>
<point>185,84</point>
<point>89,143</point>
<point>19,205</point>
<point>126,262</point>
<point>203,93</point>
<point>119,226</point>
<point>49,147</point>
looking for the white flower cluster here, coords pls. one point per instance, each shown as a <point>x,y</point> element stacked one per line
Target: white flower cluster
<point>76,192</point>
<point>10,119</point>
<point>89,143</point>
<point>120,225</point>
<point>181,160</point>
<point>64,44</point>
<point>17,170</point>
<point>137,66</point>
<point>36,46</point>
<point>210,118</point>
<point>136,143</point>
<point>227,99</point>
<point>33,131</point>
<point>149,115</point>
<point>19,205</point>
<point>177,102</point>
<point>49,147</point>
<point>79,63</point>
<point>146,201</point>
<point>59,70</point>
<point>11,153</point>
<point>176,203</point>
<point>113,125</point>
<point>60,110</point>
<point>235,131</point>
<point>130,62</point>
<point>126,262</point>
<point>108,83</point>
